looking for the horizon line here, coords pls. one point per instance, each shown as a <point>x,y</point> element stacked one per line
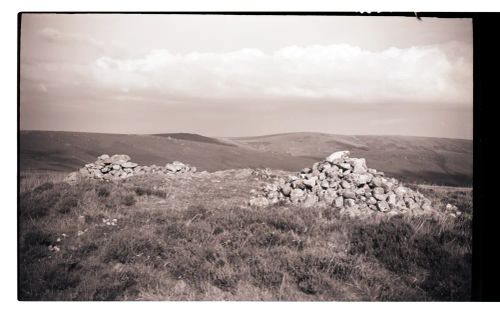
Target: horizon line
<point>245,136</point>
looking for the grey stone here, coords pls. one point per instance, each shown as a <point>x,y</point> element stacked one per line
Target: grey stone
<point>310,200</point>
<point>349,202</point>
<point>129,165</point>
<point>259,201</point>
<point>325,184</point>
<point>345,184</point>
<point>349,194</point>
<point>286,189</point>
<point>339,155</point>
<point>383,206</point>
<point>339,202</point>
<point>311,182</point>
<point>296,195</point>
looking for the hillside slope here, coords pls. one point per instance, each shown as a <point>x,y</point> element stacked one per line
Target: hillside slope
<point>421,159</point>
<point>436,160</point>
<point>66,151</point>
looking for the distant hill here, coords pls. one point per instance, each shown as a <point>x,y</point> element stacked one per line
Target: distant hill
<point>436,160</point>
<point>66,151</point>
<point>194,138</point>
<point>420,159</point>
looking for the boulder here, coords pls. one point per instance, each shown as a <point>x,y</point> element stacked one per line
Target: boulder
<point>339,155</point>
<point>119,159</point>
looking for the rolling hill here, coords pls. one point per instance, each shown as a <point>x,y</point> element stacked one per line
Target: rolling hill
<point>437,160</point>
<point>66,151</point>
<point>421,159</point>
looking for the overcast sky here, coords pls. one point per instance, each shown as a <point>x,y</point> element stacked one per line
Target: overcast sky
<point>246,75</point>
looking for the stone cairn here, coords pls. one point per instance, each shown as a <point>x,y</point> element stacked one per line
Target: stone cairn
<point>345,183</point>
<point>119,166</point>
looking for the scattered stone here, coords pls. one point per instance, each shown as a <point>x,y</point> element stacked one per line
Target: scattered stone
<point>259,201</point>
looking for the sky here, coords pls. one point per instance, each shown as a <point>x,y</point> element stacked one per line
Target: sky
<point>222,75</point>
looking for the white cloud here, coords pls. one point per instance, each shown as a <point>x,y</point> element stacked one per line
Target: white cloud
<point>54,35</point>
<point>418,74</point>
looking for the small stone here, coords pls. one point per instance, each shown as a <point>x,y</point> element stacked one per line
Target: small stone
<point>359,166</point>
<point>325,184</point>
<point>296,195</point>
<point>378,190</point>
<point>129,165</point>
<point>371,201</point>
<point>305,170</point>
<point>339,202</point>
<point>311,182</point>
<point>310,201</point>
<point>383,206</point>
<point>286,189</point>
<point>259,201</point>
<point>349,194</point>
<point>349,202</point>
<point>380,197</point>
<point>345,184</point>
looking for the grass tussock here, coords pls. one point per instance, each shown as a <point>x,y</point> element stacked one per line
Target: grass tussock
<point>125,241</point>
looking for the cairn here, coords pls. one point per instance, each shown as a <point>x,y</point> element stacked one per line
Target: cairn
<point>346,183</point>
<point>119,166</point>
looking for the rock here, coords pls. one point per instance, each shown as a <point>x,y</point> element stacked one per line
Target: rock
<point>345,166</point>
<point>383,206</point>
<point>119,159</point>
<point>450,207</point>
<point>325,184</point>
<point>296,195</point>
<point>391,199</point>
<point>380,197</point>
<point>310,201</point>
<point>360,191</point>
<point>387,185</point>
<point>363,179</point>
<point>349,194</point>
<point>103,157</point>
<point>72,178</point>
<point>129,165</point>
<point>306,170</point>
<point>259,201</point>
<point>359,166</point>
<point>339,201</point>
<point>377,182</point>
<point>339,155</point>
<point>371,201</point>
<point>329,196</point>
<point>311,182</point>
<point>345,184</point>
<point>349,202</point>
<point>378,190</point>
<point>286,189</point>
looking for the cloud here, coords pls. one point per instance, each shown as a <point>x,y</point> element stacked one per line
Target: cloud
<point>342,72</point>
<point>52,35</point>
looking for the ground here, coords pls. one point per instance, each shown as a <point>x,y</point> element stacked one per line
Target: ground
<point>194,237</point>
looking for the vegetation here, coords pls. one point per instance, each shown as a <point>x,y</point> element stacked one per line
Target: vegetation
<point>196,239</point>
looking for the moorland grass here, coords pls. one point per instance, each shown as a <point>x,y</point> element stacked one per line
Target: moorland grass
<point>209,250</point>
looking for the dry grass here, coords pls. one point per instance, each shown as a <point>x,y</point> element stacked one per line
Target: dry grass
<point>195,238</point>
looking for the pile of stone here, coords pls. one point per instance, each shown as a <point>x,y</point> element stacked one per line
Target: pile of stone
<point>346,183</point>
<point>119,166</point>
